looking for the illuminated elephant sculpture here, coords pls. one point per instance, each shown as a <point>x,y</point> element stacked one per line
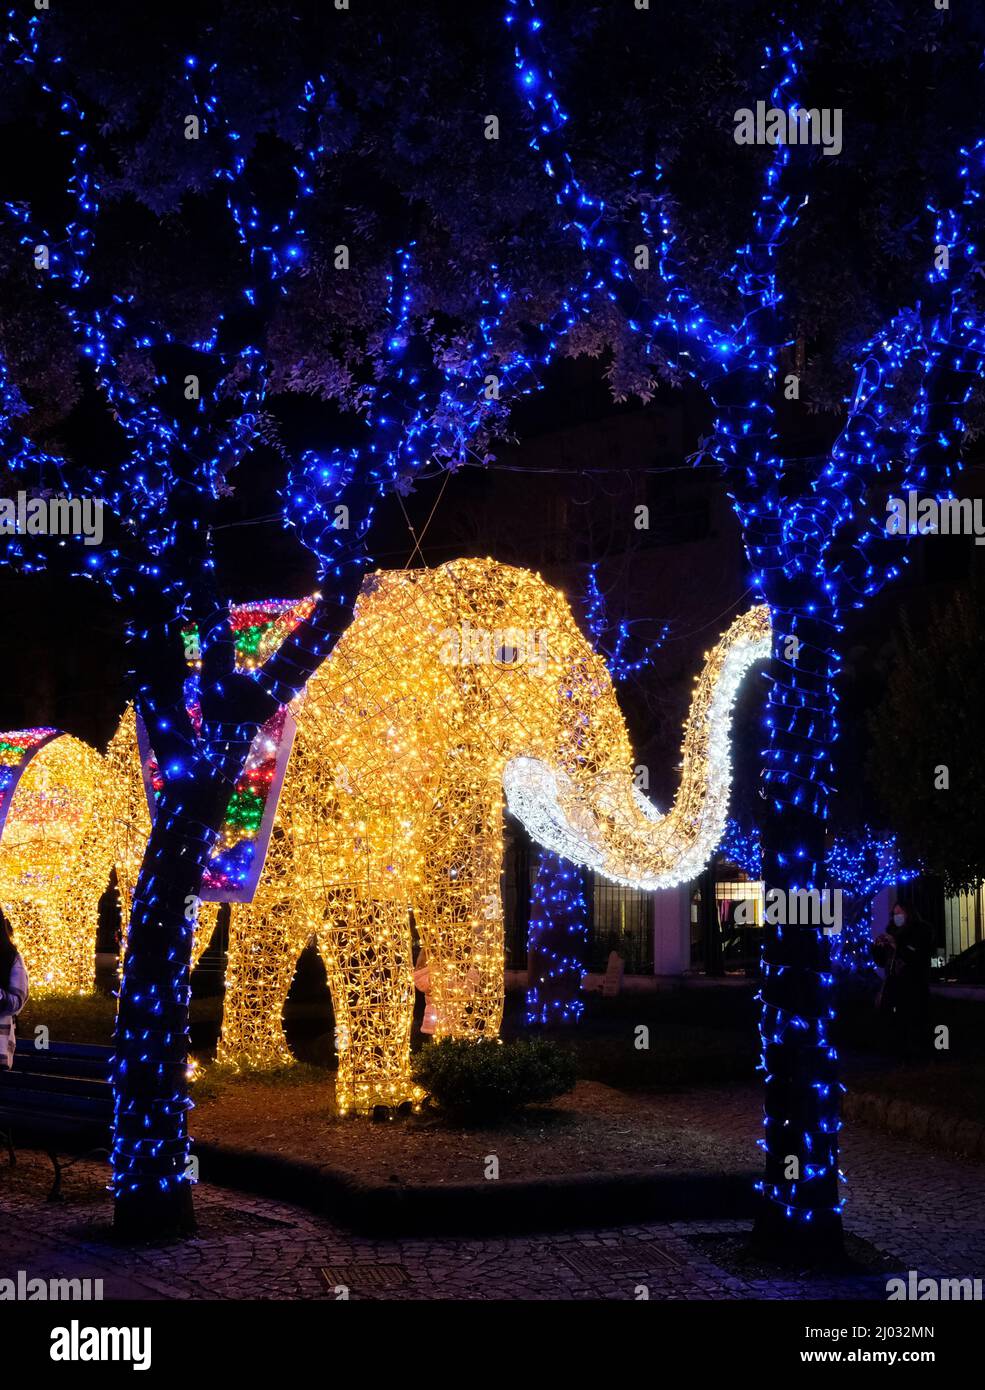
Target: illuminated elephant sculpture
<point>450,686</point>
<point>56,850</point>
<point>67,816</point>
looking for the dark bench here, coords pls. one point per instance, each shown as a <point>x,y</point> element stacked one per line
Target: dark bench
<point>57,1099</point>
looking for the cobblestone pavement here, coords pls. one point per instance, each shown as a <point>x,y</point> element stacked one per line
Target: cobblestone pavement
<point>922,1208</point>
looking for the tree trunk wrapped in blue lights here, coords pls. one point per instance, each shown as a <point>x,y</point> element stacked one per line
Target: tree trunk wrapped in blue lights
<point>798,1060</point>
<point>557,941</point>
<point>814,545</point>
<point>150,1129</point>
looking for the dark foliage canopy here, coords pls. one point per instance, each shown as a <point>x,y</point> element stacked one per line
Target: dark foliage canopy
<point>411,87</point>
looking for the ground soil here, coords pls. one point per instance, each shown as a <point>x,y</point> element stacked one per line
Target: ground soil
<point>734,1253</point>
<point>595,1129</point>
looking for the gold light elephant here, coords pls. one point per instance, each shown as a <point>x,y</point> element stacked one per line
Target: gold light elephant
<point>56,849</point>
<point>67,816</point>
<point>450,686</point>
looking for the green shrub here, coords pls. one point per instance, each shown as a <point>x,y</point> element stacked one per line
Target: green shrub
<point>488,1080</point>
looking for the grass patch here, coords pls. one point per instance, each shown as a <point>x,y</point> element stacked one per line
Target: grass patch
<point>89,1018</point>
<point>677,1056</point>
<point>957,1087</point>
<point>218,1079</point>
<point>69,1017</point>
<point>861,1027</point>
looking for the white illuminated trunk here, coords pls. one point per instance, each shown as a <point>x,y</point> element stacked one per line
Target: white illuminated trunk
<point>608,825</point>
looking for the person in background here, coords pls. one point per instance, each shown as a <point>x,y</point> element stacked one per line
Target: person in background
<point>13,992</point>
<point>904,951</point>
<point>422,982</point>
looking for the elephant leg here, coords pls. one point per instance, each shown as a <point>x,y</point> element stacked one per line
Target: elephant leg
<point>460,922</point>
<point>366,947</point>
<point>58,943</point>
<point>80,903</point>
<point>56,933</point>
<point>266,937</point>
<point>77,929</point>
<point>208,915</point>
<point>35,926</point>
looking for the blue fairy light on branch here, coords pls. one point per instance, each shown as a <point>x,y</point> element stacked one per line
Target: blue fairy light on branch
<point>860,865</point>
<point>557,940</point>
<point>613,639</point>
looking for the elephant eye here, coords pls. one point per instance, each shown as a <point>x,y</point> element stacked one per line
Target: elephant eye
<point>507,655</point>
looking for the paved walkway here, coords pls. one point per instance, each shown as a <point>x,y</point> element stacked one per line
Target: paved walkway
<point>923,1208</point>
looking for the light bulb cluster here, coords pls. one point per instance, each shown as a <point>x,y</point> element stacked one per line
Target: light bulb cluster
<point>68,816</point>
<point>392,806</point>
<point>403,738</point>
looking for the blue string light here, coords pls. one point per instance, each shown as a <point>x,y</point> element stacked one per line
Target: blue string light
<point>861,866</point>
<point>611,638</point>
<point>557,939</point>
